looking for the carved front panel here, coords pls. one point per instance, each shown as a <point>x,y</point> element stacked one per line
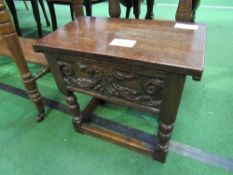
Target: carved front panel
<point>108,80</point>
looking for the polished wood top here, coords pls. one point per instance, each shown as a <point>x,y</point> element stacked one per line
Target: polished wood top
<point>158,43</point>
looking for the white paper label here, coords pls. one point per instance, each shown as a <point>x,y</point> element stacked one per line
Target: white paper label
<point>186,26</point>
<point>122,42</point>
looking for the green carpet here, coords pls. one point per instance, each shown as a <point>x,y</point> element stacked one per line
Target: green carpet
<point>52,147</point>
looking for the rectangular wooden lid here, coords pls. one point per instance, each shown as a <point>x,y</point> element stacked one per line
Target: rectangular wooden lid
<point>158,43</point>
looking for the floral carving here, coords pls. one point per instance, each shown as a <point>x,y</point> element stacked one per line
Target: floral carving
<point>105,80</point>
<point>113,83</point>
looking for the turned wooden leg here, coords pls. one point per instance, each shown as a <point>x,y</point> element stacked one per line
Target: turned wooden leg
<point>150,9</point>
<point>36,14</point>
<point>44,11</point>
<point>171,95</point>
<point>75,111</point>
<point>8,34</point>
<point>11,6</point>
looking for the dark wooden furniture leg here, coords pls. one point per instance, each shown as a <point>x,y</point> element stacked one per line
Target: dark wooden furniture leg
<point>195,5</point>
<point>128,5</point>
<point>71,12</point>
<point>136,8</point>
<point>52,14</point>
<point>77,7</point>
<point>88,7</point>
<point>10,37</point>
<point>73,105</point>
<point>128,9</point>
<point>44,11</point>
<point>37,17</point>
<point>26,5</point>
<point>71,99</point>
<point>11,6</point>
<point>114,8</point>
<point>150,9</point>
<point>186,10</point>
<point>171,96</point>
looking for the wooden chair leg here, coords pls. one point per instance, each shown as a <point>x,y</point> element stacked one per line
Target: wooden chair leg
<point>52,14</point>
<point>150,9</point>
<point>136,8</point>
<point>26,5</point>
<point>44,11</point>
<point>114,8</point>
<point>36,14</point>
<point>128,9</point>
<point>77,7</point>
<point>71,12</point>
<point>11,6</point>
<point>10,37</point>
<point>88,7</point>
<point>184,11</point>
<point>195,5</point>
<point>128,4</point>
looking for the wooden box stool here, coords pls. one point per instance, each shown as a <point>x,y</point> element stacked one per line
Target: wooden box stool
<point>137,63</point>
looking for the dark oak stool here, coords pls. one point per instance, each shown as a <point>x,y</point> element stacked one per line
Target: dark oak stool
<point>141,64</point>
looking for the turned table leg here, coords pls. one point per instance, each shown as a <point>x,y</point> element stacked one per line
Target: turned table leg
<point>171,95</point>
<point>75,111</point>
<point>61,70</point>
